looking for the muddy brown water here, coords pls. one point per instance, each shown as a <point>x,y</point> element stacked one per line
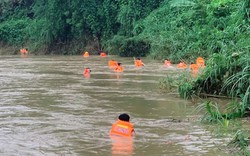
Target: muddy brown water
<point>48,107</point>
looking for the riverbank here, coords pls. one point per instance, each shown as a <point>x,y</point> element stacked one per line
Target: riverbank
<point>75,47</point>
<point>7,49</point>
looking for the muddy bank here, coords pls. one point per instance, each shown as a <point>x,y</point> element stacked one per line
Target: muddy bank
<point>75,47</point>
<point>6,49</point>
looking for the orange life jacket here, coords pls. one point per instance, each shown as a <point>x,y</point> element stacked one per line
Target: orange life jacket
<point>112,63</point>
<point>118,69</point>
<point>86,54</point>
<point>86,71</point>
<point>194,67</point>
<point>182,65</point>
<point>122,128</point>
<point>167,63</point>
<point>103,54</point>
<point>200,62</point>
<point>122,145</point>
<point>23,51</point>
<point>86,75</point>
<point>138,63</point>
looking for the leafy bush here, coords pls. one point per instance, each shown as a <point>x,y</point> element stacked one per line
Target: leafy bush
<point>240,142</point>
<point>186,90</point>
<point>127,47</point>
<point>212,112</point>
<point>134,48</point>
<point>14,31</point>
<point>168,83</point>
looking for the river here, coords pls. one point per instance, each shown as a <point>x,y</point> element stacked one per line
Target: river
<point>48,107</point>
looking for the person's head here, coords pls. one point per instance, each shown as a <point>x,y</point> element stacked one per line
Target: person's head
<point>124,117</point>
<point>192,62</point>
<point>138,58</point>
<point>119,63</point>
<point>88,69</point>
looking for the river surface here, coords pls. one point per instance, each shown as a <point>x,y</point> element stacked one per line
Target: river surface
<point>48,107</point>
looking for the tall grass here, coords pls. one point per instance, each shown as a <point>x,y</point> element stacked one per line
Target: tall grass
<point>212,112</point>
<point>239,86</point>
<point>179,83</point>
<point>240,142</point>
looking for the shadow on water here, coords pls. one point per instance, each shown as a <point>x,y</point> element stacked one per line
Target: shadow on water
<point>49,108</point>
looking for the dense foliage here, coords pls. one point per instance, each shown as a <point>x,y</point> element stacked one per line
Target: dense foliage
<point>55,23</point>
<point>228,75</point>
<point>161,28</point>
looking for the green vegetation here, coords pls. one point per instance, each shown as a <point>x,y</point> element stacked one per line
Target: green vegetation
<point>175,29</point>
<point>71,26</point>
<point>227,76</point>
<point>240,143</point>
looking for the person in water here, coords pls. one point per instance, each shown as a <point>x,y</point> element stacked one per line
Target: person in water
<point>119,68</point>
<point>112,64</point>
<point>138,62</point>
<point>167,63</point>
<point>86,54</point>
<point>122,127</point>
<point>86,70</point>
<point>200,62</point>
<point>182,65</point>
<point>103,54</point>
<point>24,51</point>
<point>194,67</point>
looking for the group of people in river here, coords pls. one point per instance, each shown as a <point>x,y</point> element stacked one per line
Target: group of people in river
<point>122,130</point>
<point>200,63</point>
<point>122,127</point>
<point>117,66</point>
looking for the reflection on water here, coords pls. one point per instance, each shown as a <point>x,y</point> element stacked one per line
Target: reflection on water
<point>122,145</point>
<point>48,107</point>
<point>86,75</point>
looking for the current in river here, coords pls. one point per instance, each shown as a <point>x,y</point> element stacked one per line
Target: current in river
<point>48,107</point>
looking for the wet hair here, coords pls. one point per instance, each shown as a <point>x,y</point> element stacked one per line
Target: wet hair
<point>192,62</point>
<point>119,64</point>
<point>138,58</point>
<point>124,117</point>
